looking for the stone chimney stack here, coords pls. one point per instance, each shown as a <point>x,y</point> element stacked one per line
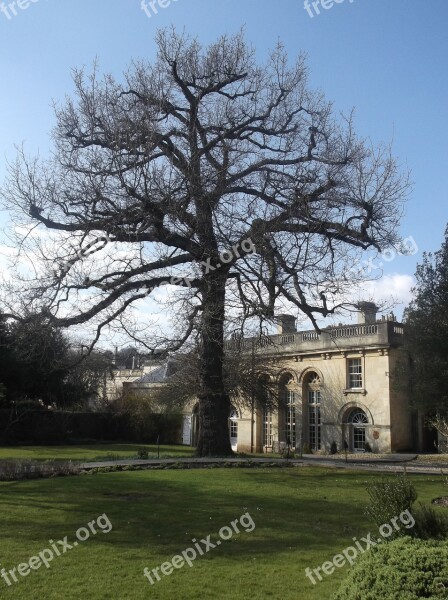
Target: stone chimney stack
<point>367,312</point>
<point>286,324</point>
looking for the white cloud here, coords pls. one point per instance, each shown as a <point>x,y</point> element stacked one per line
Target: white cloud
<point>395,286</point>
<point>391,292</point>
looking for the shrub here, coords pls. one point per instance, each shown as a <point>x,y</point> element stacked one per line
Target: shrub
<point>142,453</point>
<point>286,452</point>
<point>368,447</point>
<point>389,498</point>
<point>333,448</point>
<point>306,448</point>
<point>429,523</point>
<point>405,569</point>
<point>14,470</point>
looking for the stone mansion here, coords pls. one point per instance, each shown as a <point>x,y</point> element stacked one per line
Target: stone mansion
<point>337,386</point>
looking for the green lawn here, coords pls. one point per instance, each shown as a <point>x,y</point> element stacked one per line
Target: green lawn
<point>92,452</point>
<point>303,517</point>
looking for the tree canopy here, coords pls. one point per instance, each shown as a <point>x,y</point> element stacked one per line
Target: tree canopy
<point>32,366</point>
<point>426,334</point>
<point>40,369</point>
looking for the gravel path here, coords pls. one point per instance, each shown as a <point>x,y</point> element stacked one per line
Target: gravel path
<point>389,463</point>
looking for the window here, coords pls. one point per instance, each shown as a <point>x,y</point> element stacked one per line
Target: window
<point>267,428</point>
<point>287,415</point>
<point>314,419</point>
<point>355,373</point>
<point>358,419</point>
<point>359,439</point>
<point>233,424</point>
<point>290,418</point>
<point>313,394</point>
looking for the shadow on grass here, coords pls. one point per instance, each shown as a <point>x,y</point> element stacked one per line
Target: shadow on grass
<point>165,509</point>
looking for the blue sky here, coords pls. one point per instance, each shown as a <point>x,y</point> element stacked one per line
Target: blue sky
<point>386,58</point>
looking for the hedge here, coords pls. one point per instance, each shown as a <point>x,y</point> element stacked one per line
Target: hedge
<point>404,569</point>
<point>56,427</point>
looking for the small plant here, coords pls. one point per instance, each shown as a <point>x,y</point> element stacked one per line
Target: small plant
<point>368,447</point>
<point>142,453</point>
<point>429,523</point>
<point>333,448</point>
<point>306,448</point>
<point>389,498</point>
<point>286,452</point>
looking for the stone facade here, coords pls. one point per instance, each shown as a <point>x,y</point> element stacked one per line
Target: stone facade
<point>336,388</point>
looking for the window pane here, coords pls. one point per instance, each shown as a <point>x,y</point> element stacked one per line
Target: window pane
<point>267,428</point>
<point>291,425</point>
<point>314,422</point>
<point>290,397</point>
<point>355,372</point>
<point>314,397</point>
<point>359,438</point>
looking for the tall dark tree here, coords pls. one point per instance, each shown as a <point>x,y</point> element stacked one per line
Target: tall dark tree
<point>33,362</point>
<point>228,179</point>
<point>426,334</point>
<point>85,379</point>
<point>38,367</point>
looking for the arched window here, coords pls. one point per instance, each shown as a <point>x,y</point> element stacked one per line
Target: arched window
<point>358,420</point>
<point>313,393</point>
<point>358,417</point>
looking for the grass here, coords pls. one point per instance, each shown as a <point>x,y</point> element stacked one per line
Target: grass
<point>92,452</point>
<point>101,452</point>
<point>303,517</point>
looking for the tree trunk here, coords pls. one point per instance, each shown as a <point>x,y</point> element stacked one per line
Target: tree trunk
<point>214,403</point>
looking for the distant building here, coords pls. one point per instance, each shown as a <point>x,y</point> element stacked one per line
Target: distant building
<point>145,372</point>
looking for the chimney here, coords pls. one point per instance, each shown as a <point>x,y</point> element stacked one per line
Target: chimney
<point>285,324</point>
<point>367,312</point>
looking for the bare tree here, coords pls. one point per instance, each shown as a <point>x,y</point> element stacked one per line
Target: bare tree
<point>439,423</point>
<point>225,178</point>
<point>250,380</point>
